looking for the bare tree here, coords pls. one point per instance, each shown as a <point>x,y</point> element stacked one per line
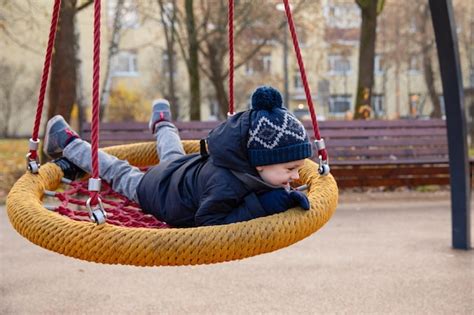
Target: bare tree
<point>80,97</point>
<point>62,90</point>
<point>369,10</point>
<point>169,19</point>
<point>464,15</point>
<point>17,18</point>
<point>427,47</point>
<point>112,52</point>
<point>192,62</point>
<point>181,27</point>
<point>63,84</point>
<point>15,96</point>
<point>254,27</point>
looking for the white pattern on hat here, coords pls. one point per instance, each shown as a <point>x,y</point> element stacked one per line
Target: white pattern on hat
<point>290,127</point>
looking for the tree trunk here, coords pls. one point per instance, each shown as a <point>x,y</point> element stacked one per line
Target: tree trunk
<point>216,78</point>
<point>193,68</point>
<point>168,21</point>
<point>80,97</point>
<point>171,94</point>
<point>365,79</point>
<point>430,84</point>
<point>7,112</point>
<point>427,49</point>
<point>62,89</point>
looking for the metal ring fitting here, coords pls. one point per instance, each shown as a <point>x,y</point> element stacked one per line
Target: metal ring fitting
<point>324,169</point>
<point>32,165</point>
<point>98,214</point>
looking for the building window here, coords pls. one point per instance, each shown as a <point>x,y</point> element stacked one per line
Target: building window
<point>339,104</point>
<point>266,63</point>
<point>297,82</point>
<point>128,15</point>
<point>379,65</point>
<point>471,77</point>
<point>124,64</point>
<point>248,69</point>
<point>342,15</point>
<point>378,105</point>
<point>414,65</point>
<point>302,37</point>
<point>413,25</point>
<point>165,66</point>
<point>339,65</point>
<point>260,64</point>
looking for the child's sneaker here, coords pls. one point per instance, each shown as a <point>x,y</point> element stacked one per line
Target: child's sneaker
<point>58,135</point>
<point>160,111</point>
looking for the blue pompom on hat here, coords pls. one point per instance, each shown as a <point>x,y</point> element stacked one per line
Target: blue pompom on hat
<point>275,135</point>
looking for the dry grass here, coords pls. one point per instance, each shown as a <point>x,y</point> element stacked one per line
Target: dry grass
<point>12,163</point>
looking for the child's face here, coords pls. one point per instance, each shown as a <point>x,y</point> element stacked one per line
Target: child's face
<point>281,174</point>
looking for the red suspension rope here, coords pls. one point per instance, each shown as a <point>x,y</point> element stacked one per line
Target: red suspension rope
<point>231,56</point>
<point>44,79</point>
<point>95,101</point>
<point>294,37</point>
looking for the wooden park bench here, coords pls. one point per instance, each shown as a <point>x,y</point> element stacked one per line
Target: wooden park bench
<point>362,153</point>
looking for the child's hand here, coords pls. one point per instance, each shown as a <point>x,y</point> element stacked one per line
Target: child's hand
<point>300,198</point>
<point>279,200</point>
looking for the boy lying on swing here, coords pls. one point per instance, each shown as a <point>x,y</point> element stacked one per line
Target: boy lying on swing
<point>253,157</point>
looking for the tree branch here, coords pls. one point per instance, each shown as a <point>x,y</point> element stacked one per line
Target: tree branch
<point>84,5</point>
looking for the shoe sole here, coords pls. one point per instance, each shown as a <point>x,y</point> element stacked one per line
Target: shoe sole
<point>152,123</point>
<point>50,124</point>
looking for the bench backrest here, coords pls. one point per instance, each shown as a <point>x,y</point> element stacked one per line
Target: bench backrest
<point>385,142</point>
<point>348,142</point>
<point>114,133</point>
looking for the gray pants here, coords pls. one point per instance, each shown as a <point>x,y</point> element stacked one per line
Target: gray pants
<point>123,177</point>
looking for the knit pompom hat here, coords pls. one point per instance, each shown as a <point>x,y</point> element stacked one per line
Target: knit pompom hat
<point>275,135</point>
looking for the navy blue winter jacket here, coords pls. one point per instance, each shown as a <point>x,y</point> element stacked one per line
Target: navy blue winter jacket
<point>198,190</point>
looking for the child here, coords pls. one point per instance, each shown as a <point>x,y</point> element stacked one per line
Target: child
<point>252,159</point>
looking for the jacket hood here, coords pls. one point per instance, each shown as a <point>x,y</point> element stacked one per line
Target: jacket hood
<point>227,144</point>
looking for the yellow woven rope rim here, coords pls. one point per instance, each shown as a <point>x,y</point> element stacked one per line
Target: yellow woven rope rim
<point>112,244</point>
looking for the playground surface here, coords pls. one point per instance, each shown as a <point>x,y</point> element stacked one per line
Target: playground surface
<point>381,253</point>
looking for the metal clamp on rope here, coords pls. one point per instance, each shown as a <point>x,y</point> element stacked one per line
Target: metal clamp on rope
<point>320,144</point>
<point>32,165</point>
<point>94,184</point>
<point>323,168</point>
<point>96,214</point>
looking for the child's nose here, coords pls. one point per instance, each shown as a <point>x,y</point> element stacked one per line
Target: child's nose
<point>295,175</point>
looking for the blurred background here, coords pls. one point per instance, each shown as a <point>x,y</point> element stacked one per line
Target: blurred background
<point>178,50</point>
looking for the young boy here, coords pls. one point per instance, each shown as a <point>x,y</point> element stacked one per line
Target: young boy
<point>253,157</point>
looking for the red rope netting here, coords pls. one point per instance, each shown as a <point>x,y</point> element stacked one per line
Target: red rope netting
<point>120,210</point>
